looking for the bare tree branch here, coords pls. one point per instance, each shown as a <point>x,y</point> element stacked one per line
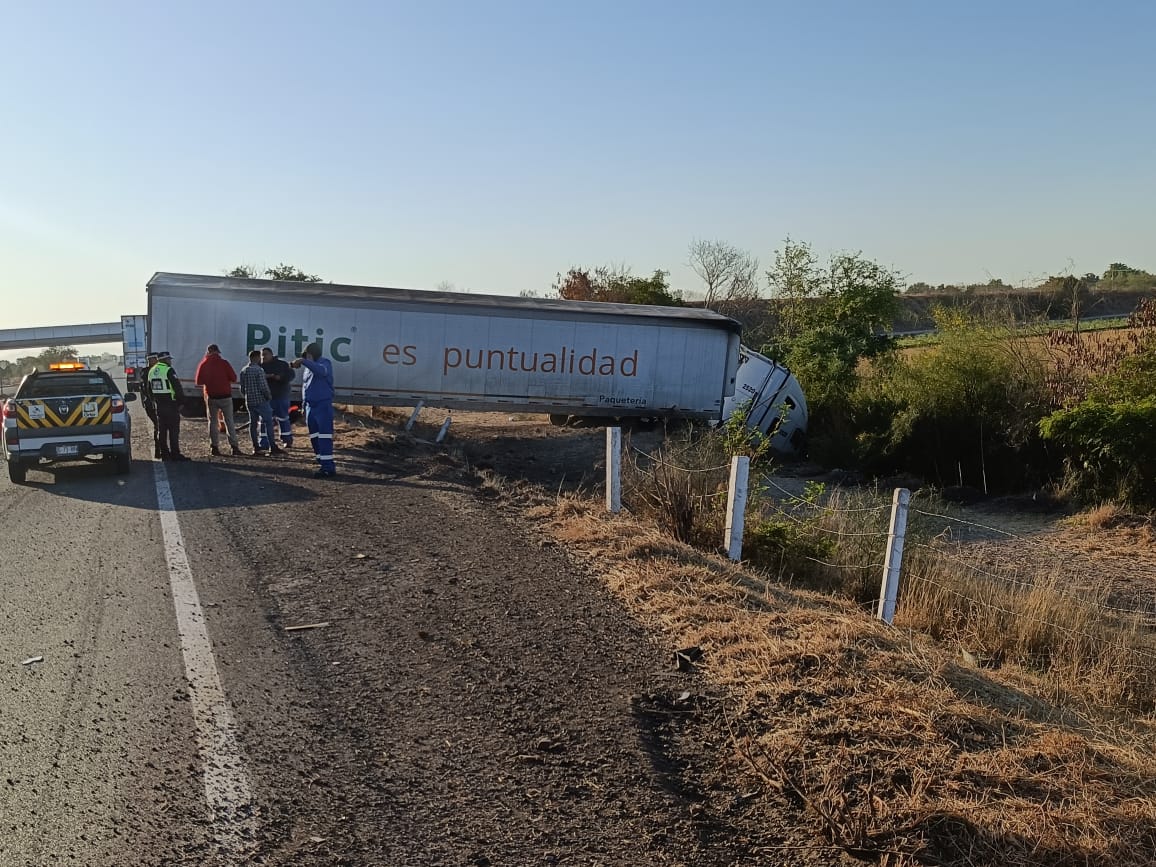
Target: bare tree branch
<point>730,275</point>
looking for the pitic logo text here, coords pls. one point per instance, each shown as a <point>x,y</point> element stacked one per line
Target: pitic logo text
<point>288,345</point>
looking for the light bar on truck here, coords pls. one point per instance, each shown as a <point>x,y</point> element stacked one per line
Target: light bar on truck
<point>68,365</point>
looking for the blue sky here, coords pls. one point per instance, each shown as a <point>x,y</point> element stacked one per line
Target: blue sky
<point>494,144</point>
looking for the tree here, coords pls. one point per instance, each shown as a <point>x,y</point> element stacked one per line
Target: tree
<point>830,317</point>
<point>616,284</point>
<point>247,272</point>
<point>291,273</point>
<point>278,272</point>
<point>584,284</point>
<point>40,361</point>
<point>729,274</point>
<point>1068,296</point>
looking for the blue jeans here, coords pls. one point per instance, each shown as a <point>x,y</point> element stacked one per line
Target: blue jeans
<point>280,409</point>
<point>259,414</point>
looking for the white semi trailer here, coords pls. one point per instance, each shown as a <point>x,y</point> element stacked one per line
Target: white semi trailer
<point>398,347</point>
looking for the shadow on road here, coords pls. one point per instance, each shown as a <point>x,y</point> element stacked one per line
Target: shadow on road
<point>195,485</point>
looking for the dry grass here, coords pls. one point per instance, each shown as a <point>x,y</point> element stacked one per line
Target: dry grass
<point>895,749</point>
<point>1110,526</point>
<point>1010,602</point>
<point>1081,650</point>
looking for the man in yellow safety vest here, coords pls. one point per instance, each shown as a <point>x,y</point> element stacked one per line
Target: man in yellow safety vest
<point>167,392</point>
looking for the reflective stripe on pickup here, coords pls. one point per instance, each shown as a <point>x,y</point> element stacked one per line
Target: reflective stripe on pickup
<point>63,412</point>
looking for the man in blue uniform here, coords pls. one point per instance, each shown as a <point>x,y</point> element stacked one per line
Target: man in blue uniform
<point>317,393</point>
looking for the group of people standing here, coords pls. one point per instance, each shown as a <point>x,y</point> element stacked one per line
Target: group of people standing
<point>265,386</point>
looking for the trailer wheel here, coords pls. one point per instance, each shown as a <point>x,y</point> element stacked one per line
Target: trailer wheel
<point>193,407</point>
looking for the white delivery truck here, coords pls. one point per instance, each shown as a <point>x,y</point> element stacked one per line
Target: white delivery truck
<point>134,338</point>
<point>399,347</point>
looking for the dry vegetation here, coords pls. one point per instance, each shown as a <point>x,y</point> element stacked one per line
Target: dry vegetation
<point>896,749</point>
<point>1007,718</point>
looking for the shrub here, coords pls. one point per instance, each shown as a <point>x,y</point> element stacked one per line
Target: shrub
<point>963,411</point>
<point>1110,449</point>
<point>683,485</point>
<point>787,538</point>
<point>833,542</point>
<point>1107,439</point>
<point>1079,360</point>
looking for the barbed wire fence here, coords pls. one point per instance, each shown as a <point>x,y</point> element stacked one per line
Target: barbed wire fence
<point>1004,591</point>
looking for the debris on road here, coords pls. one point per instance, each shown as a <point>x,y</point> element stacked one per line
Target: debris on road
<point>321,625</point>
<point>32,659</point>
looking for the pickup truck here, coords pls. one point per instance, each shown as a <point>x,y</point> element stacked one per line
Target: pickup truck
<point>66,413</point>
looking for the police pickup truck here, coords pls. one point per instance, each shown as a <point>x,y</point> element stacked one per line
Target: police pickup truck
<point>66,413</point>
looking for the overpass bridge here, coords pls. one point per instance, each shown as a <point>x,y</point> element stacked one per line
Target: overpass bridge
<point>60,335</point>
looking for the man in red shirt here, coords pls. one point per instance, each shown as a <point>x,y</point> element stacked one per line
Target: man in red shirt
<point>216,376</point>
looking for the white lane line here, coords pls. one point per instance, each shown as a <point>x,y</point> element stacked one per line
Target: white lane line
<point>227,788</point>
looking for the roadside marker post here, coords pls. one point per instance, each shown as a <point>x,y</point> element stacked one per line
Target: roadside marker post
<point>413,416</point>
<point>889,592</point>
<point>614,470</point>
<point>737,506</point>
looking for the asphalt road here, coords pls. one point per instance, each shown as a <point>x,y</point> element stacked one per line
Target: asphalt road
<point>118,745</point>
<point>471,698</point>
<point>97,747</point>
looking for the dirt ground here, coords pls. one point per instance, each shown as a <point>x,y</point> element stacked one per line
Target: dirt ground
<point>477,695</point>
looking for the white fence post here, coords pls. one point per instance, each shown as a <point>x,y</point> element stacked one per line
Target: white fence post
<point>413,415</point>
<point>894,560</point>
<point>614,469</point>
<point>737,506</point>
<point>444,430</point>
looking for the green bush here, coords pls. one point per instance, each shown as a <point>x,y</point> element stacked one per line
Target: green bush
<point>782,546</point>
<point>1108,440</point>
<point>828,318</point>
<point>965,411</point>
<point>1109,449</point>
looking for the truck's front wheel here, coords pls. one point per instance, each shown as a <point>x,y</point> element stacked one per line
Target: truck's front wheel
<point>17,472</point>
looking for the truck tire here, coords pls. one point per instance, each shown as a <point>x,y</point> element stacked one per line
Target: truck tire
<point>194,407</point>
<point>17,472</point>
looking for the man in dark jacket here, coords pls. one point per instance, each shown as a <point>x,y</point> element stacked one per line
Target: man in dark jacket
<point>148,403</point>
<point>167,391</point>
<point>279,375</point>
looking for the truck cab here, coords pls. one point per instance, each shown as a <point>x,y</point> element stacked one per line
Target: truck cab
<point>773,399</point>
